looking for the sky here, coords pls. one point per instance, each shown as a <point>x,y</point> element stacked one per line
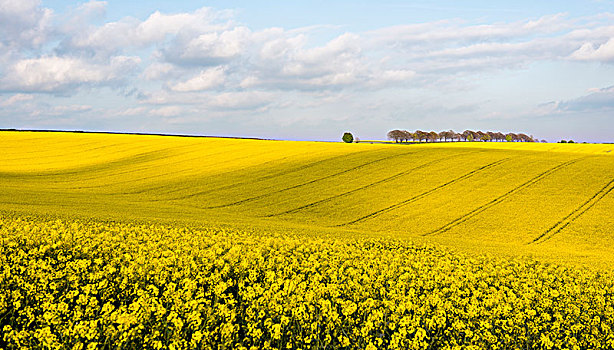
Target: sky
<point>309,70</point>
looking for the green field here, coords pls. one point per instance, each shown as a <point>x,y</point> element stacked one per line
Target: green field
<point>158,242</point>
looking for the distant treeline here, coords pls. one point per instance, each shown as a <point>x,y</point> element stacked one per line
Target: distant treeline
<point>451,135</point>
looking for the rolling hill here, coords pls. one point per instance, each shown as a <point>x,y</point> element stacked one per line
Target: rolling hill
<point>553,201</point>
<point>124,241</point>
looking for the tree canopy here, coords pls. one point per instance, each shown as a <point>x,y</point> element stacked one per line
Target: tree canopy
<point>348,137</point>
<point>467,135</point>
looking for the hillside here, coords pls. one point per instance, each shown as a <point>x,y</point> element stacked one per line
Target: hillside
<point>553,201</point>
<point>126,241</point>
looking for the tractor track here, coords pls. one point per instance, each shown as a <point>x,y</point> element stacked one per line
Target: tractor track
<point>250,199</point>
<point>424,194</point>
<point>262,178</point>
<point>575,214</point>
<point>500,198</point>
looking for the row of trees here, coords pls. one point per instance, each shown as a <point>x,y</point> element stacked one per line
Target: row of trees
<point>451,135</point>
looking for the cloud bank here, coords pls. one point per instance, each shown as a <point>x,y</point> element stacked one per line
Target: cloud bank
<point>204,64</point>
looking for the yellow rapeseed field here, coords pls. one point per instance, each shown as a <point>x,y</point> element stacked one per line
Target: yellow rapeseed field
<point>89,284</point>
<point>132,241</point>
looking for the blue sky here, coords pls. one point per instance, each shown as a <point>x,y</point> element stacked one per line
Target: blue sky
<point>309,70</point>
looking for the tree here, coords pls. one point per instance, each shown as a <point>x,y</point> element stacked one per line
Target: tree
<point>406,135</point>
<point>347,137</point>
<point>443,135</point>
<point>396,135</point>
<point>433,136</point>
<point>450,134</point>
<point>466,135</point>
<point>478,135</point>
<point>419,135</point>
<point>524,138</point>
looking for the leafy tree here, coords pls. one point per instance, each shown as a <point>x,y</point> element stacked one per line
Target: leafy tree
<point>406,135</point>
<point>466,135</point>
<point>420,135</point>
<point>450,134</point>
<point>396,135</point>
<point>478,135</point>
<point>348,137</point>
<point>433,136</point>
<point>442,135</point>
<point>524,138</point>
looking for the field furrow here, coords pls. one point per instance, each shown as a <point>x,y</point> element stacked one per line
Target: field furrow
<point>340,195</point>
<point>423,194</point>
<point>575,214</point>
<point>355,168</point>
<point>255,180</point>
<point>498,199</point>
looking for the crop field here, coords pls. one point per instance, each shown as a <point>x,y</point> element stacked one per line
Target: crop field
<point>133,241</point>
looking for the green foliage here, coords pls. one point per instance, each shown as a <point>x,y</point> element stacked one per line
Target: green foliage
<point>563,141</point>
<point>508,138</point>
<point>470,138</point>
<point>347,137</point>
<point>570,141</point>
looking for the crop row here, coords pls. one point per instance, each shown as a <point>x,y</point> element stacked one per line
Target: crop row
<point>67,284</point>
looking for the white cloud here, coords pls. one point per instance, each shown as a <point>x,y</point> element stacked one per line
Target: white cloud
<point>132,111</point>
<point>167,111</point>
<point>397,75</point>
<point>158,25</point>
<point>598,99</point>
<point>158,70</point>
<point>240,100</point>
<point>276,44</point>
<point>456,32</point>
<point>177,65</point>
<point>16,99</point>
<point>24,23</point>
<point>53,73</point>
<point>588,52</point>
<point>71,108</point>
<point>205,80</point>
<point>129,32</point>
<point>208,48</point>
<point>180,48</point>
